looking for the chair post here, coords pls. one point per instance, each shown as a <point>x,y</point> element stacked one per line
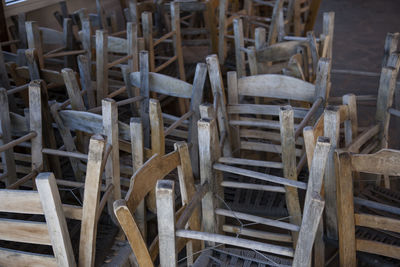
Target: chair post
<point>55,219</point>
<point>217,87</point>
<point>177,42</point>
<point>345,205</point>
<point>34,40</point>
<point>209,153</point>
<point>86,82</point>
<point>196,99</point>
<point>110,128</point>
<point>350,125</point>
<point>136,131</point>
<point>101,65</point>
<point>147,25</point>
<point>5,125</point>
<point>188,190</point>
<point>145,92</point>
<point>239,44</point>
<point>332,131</point>
<point>87,241</point>
<point>35,125</point>
<point>166,223</point>
<point>289,165</point>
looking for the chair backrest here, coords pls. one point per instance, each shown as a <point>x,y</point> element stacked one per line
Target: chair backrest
<point>144,180</point>
<point>48,42</point>
<point>295,56</point>
<point>155,47</point>
<point>377,135</point>
<point>329,125</point>
<point>166,85</point>
<point>54,232</point>
<point>207,33</point>
<point>209,196</point>
<point>13,124</point>
<point>275,87</point>
<point>355,225</point>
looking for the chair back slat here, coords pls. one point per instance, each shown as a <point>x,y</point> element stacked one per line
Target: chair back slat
<point>276,86</point>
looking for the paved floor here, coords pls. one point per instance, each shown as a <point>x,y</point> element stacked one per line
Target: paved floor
<point>360,31</point>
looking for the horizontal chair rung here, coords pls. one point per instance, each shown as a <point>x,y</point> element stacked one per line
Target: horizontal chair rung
<point>257,219</point>
<point>251,162</point>
<point>268,188</point>
<point>234,241</point>
<point>257,233</point>
<point>18,141</point>
<point>260,176</point>
<point>63,153</point>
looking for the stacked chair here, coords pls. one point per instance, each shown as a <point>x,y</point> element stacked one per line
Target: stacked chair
<point>269,170</point>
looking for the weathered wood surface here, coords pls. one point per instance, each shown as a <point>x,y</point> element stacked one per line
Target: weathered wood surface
<point>164,84</point>
<point>267,85</point>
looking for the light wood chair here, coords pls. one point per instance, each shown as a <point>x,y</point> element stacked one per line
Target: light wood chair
<point>160,53</point>
<point>295,56</point>
<point>183,128</point>
<point>144,180</point>
<point>329,125</point>
<point>54,232</point>
<point>200,26</point>
<point>376,136</point>
<point>88,214</point>
<point>242,128</point>
<point>173,231</point>
<point>365,224</point>
<point>35,124</point>
<point>51,44</point>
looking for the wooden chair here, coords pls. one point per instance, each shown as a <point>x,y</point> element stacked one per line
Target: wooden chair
<point>51,44</point>
<point>151,115</point>
<point>144,180</point>
<point>173,231</point>
<point>199,25</point>
<point>32,126</point>
<point>54,232</point>
<point>292,55</point>
<point>228,11</point>
<point>365,224</point>
<point>376,136</point>
<point>88,214</point>
<point>242,128</point>
<point>159,51</point>
<point>329,125</point>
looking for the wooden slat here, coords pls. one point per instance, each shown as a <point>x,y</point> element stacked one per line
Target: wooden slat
<point>267,188</point>
<point>20,201</point>
<point>10,257</point>
<point>258,146</point>
<point>261,176</point>
<point>257,233</point>
<point>276,86</point>
<point>151,174</point>
<point>257,219</point>
<point>164,84</point>
<point>373,221</point>
<point>278,52</point>
<point>90,123</point>
<point>385,161</point>
<point>378,248</point>
<point>24,231</point>
<point>249,162</point>
<point>263,109</point>
<point>56,223</point>
<point>285,251</point>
